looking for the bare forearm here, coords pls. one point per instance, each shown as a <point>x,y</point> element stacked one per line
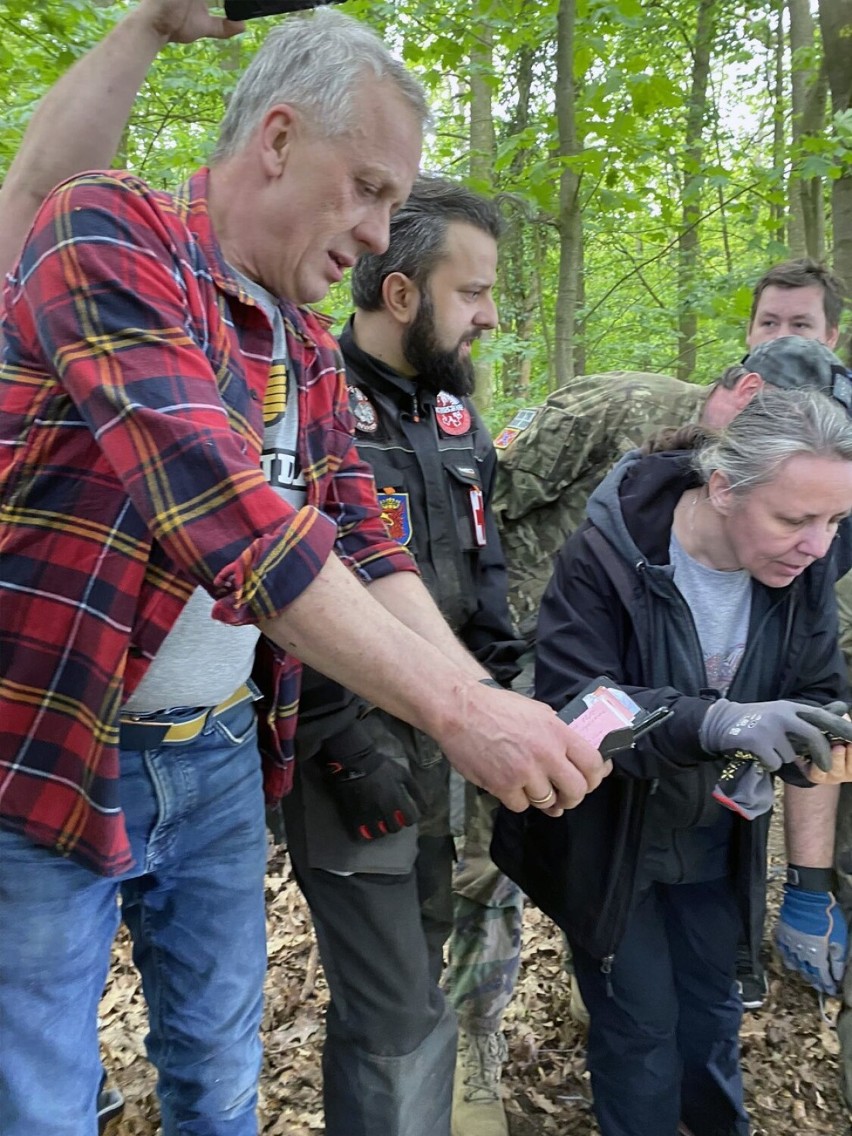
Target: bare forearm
<point>344,630</point>
<point>404,595</point>
<point>512,746</point>
<point>809,820</point>
<point>78,124</point>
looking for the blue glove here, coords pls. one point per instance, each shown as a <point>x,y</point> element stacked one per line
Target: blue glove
<point>811,936</point>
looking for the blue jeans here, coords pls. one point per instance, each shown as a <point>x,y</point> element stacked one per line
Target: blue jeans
<point>194,907</point>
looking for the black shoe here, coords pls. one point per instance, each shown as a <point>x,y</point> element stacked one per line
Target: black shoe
<point>752,986</point>
<point>110,1109</point>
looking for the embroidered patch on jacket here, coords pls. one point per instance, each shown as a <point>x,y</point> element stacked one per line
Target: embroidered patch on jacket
<point>507,435</point>
<point>397,515</point>
<point>477,515</point>
<point>363,410</point>
<point>452,414</point>
<point>505,438</point>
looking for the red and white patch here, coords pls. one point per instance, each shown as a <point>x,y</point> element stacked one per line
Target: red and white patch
<point>477,512</point>
<point>363,410</point>
<point>452,414</point>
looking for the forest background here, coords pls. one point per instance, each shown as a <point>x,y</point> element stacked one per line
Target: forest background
<point>652,158</point>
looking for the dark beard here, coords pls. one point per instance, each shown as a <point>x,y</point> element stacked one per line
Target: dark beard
<point>436,369</point>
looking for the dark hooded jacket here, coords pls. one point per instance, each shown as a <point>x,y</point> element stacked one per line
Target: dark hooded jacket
<point>612,609</point>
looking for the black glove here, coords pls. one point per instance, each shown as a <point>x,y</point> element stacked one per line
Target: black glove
<point>766,730</point>
<point>373,794</point>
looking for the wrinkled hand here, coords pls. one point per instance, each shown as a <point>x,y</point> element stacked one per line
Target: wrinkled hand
<point>184,21</point>
<point>767,730</point>
<point>373,794</point>
<point>812,937</point>
<point>841,756</point>
<point>518,749</point>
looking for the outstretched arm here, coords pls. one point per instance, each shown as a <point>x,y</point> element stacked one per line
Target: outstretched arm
<point>399,654</point>
<point>78,124</point>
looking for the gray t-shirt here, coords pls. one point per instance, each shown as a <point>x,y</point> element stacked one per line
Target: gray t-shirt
<point>720,603</point>
<point>203,661</point>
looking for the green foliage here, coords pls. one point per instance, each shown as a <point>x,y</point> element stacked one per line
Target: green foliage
<point>632,69</point>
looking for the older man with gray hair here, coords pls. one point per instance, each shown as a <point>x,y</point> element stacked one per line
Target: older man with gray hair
<point>182,508</point>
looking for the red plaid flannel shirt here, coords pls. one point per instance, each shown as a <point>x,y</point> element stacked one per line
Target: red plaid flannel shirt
<point>131,399</point>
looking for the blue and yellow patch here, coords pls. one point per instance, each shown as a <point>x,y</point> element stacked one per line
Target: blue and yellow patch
<point>397,515</point>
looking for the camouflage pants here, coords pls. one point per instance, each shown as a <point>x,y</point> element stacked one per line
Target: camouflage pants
<point>485,944</point>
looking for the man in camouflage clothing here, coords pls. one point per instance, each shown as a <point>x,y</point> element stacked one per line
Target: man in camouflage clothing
<point>552,458</point>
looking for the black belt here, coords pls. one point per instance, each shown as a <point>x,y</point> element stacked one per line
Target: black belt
<point>150,733</point>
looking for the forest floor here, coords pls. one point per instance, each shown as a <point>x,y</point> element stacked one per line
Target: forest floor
<point>790,1054</point>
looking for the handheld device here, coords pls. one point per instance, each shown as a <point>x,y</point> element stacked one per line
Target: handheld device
<point>609,718</point>
<point>252,9</point>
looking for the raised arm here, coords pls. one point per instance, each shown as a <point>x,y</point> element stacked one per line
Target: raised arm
<point>78,124</point>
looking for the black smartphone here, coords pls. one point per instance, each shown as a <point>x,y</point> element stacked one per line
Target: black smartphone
<point>252,9</point>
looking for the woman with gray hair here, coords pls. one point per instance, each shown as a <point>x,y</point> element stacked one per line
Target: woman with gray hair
<point>701,583</point>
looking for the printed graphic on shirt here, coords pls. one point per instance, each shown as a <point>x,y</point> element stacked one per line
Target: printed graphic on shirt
<point>280,457</point>
<point>721,667</point>
<point>396,514</point>
<point>477,511</point>
<point>452,414</point>
<point>275,399</point>
<point>509,432</point>
<point>364,411</point>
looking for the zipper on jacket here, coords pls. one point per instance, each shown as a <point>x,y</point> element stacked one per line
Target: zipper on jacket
<point>606,971</point>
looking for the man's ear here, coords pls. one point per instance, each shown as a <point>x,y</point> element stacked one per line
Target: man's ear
<point>746,388</point>
<point>832,338</point>
<point>279,127</point>
<point>401,297</point>
<point>719,493</point>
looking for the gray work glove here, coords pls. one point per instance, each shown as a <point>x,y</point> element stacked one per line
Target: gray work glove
<point>767,730</point>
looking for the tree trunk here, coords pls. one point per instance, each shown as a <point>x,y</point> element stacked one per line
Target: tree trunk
<point>835,20</point>
<point>482,147</point>
<point>570,223</point>
<point>518,295</point>
<point>777,210</point>
<point>688,242</point>
<point>808,96</point>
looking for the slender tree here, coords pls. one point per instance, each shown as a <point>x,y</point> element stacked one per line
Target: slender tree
<point>808,90</point>
<point>835,20</point>
<point>570,221</point>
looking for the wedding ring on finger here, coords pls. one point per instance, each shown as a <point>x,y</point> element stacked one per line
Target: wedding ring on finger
<point>543,802</point>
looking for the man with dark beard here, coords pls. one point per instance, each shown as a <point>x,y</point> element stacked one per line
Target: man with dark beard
<point>367,824</point>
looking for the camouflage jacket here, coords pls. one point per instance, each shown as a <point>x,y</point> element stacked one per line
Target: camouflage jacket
<point>551,458</point>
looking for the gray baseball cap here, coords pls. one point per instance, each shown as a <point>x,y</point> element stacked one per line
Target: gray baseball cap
<point>793,362</point>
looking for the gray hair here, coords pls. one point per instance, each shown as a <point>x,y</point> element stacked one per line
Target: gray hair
<point>418,236</point>
<point>774,426</point>
<point>314,63</point>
